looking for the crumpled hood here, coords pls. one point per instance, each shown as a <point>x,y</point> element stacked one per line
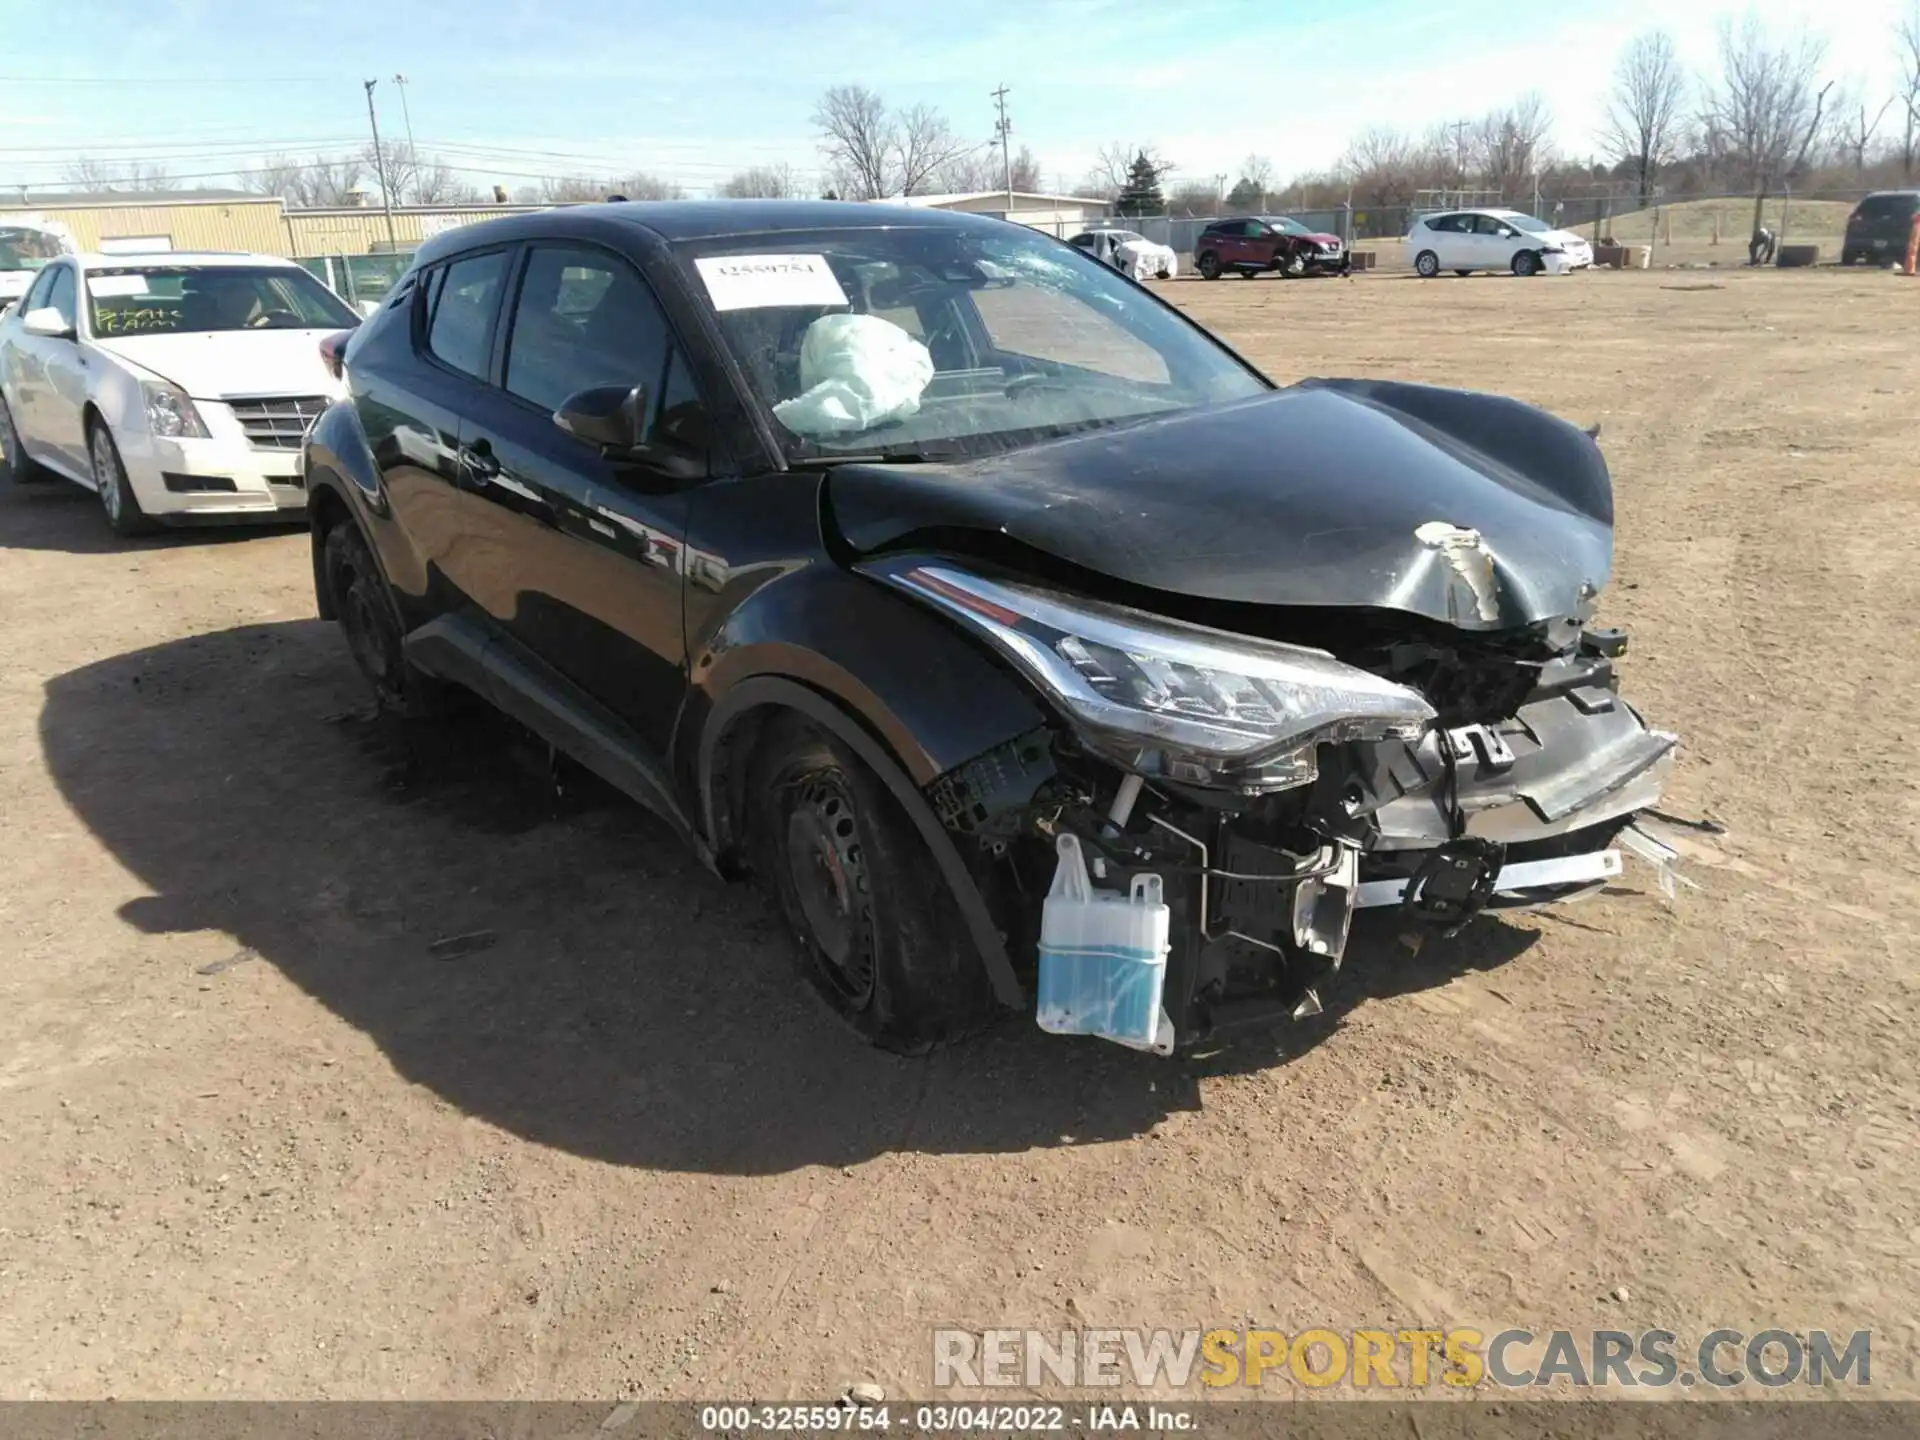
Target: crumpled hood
<point>1474,510</point>
<point>1323,239</point>
<point>210,365</point>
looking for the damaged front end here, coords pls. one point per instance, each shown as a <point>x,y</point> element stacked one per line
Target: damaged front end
<point>1186,849</point>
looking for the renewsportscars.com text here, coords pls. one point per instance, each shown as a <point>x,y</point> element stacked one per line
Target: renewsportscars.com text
<point>1321,1358</point>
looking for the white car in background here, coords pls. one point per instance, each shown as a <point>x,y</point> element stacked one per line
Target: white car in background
<point>178,387</point>
<point>1129,252</point>
<point>1464,241</point>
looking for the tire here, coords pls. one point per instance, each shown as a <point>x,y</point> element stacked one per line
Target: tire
<point>117,499</point>
<point>1463,272</point>
<point>1208,264</point>
<point>1426,264</point>
<point>15,464</point>
<point>1526,263</point>
<point>879,936</point>
<point>1849,257</point>
<point>370,620</point>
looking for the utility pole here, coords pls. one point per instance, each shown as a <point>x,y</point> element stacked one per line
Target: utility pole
<point>380,169</point>
<point>1003,128</point>
<point>1219,193</point>
<point>1459,128</point>
<point>413,151</point>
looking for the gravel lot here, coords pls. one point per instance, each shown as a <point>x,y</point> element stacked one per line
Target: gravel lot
<point>266,1137</point>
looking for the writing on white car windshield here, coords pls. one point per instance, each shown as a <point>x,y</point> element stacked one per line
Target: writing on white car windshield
<point>186,299</point>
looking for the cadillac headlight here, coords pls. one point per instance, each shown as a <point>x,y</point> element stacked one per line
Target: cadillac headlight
<point>170,413</point>
<point>1162,697</point>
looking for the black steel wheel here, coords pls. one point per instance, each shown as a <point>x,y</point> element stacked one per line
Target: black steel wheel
<point>371,622</point>
<point>878,934</point>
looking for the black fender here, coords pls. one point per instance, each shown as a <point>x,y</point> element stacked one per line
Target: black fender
<point>898,685</point>
<point>343,473</point>
<point>775,691</point>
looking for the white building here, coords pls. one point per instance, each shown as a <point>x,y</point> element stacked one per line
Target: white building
<point>1055,214</point>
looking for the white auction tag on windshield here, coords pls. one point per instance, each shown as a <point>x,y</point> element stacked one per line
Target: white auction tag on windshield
<point>756,282</point>
<point>108,287</point>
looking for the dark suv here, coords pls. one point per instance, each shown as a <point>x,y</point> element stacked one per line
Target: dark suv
<point>919,565</point>
<point>1879,226</point>
<point>1268,244</point>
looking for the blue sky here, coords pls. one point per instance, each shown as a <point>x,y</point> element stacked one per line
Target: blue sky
<point>693,92</point>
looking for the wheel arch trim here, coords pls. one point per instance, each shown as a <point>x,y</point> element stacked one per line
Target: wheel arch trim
<point>772,691</point>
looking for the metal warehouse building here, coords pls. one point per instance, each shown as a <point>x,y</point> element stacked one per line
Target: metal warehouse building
<point>118,223</point>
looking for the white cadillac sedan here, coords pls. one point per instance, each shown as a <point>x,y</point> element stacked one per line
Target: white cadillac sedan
<point>178,387</point>
<point>1464,241</point>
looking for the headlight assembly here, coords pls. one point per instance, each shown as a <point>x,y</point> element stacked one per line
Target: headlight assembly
<point>1162,697</point>
<point>170,413</point>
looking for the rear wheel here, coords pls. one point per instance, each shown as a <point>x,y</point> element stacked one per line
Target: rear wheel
<point>879,934</point>
<point>1208,265</point>
<point>15,463</point>
<point>1848,257</point>
<point>371,622</point>
<point>1525,262</point>
<point>1463,272</point>
<point>1426,264</point>
<point>122,506</point>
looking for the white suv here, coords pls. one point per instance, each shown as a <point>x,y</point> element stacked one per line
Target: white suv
<point>178,387</point>
<point>1464,241</point>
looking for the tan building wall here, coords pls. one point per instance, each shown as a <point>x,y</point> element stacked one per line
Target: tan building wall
<point>361,231</point>
<point>253,225</point>
<point>263,226</point>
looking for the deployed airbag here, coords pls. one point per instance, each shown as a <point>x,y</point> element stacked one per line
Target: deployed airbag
<point>856,371</point>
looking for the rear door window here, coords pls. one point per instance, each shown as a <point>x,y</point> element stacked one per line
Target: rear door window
<point>460,323</point>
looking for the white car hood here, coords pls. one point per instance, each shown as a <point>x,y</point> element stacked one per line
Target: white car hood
<point>1143,259</point>
<point>1566,239</point>
<point>212,365</point>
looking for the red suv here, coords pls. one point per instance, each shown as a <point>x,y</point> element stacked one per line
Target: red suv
<point>1268,242</point>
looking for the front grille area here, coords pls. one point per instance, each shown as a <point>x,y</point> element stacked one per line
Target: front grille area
<point>280,423</point>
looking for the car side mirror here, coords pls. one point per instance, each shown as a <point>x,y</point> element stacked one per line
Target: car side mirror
<point>606,417</point>
<point>46,322</point>
<point>613,420</point>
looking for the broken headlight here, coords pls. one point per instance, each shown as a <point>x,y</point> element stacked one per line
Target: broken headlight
<point>1164,698</point>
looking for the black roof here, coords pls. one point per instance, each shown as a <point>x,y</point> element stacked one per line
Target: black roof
<point>675,220</point>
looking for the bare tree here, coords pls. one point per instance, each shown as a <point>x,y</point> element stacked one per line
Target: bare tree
<point>100,176</point>
<point>1115,163</point>
<point>1854,129</point>
<point>642,185</point>
<point>858,138</point>
<point>1643,108</point>
<point>970,173</point>
<point>1257,172</point>
<point>1906,36</point>
<point>568,190</point>
<point>926,144</point>
<point>1383,166</point>
<point>761,182</point>
<point>1764,108</point>
<point>1193,198</point>
<point>316,184</point>
<point>417,179</point>
<point>1026,171</point>
<point>1506,144</point>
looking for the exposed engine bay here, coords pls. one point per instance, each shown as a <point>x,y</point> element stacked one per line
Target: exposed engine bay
<point>1490,775</point>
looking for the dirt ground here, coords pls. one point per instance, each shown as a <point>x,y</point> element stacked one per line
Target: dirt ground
<point>265,1134</point>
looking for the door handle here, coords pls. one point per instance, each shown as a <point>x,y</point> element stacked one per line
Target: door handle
<point>478,461</point>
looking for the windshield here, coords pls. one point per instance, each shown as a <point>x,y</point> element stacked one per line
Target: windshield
<point>1532,224</point>
<point>185,299</point>
<point>936,343</point>
<point>1290,226</point>
<point>27,249</point>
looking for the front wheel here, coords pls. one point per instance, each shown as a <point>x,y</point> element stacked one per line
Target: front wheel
<point>371,621</point>
<point>1208,265</point>
<point>1526,263</point>
<point>1426,264</point>
<point>122,506</point>
<point>879,934</point>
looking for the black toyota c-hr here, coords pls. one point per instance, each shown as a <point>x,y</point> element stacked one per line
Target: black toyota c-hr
<point>917,564</point>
